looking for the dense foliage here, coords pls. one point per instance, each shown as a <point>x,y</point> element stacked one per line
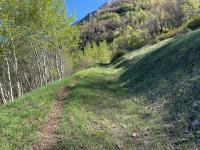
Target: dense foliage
<point>35,39</point>
<point>130,24</point>
<point>194,23</point>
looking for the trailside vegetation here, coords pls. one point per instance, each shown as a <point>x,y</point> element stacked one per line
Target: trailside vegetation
<point>131,24</point>
<point>35,38</point>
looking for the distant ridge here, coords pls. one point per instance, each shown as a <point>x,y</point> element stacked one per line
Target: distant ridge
<point>91,14</point>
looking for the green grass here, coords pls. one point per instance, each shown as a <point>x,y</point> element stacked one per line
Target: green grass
<point>144,101</point>
<point>149,92</point>
<point>20,120</point>
<point>101,114</point>
<point>166,76</point>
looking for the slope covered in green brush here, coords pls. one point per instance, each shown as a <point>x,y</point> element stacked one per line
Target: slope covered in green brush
<point>131,24</point>
<point>166,76</point>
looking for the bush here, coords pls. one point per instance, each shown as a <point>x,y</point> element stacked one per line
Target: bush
<point>117,55</point>
<point>172,33</point>
<point>194,23</point>
<point>103,52</point>
<point>137,39</point>
<point>97,53</point>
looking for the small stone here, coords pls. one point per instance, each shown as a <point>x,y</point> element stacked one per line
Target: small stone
<point>183,140</point>
<point>134,135</point>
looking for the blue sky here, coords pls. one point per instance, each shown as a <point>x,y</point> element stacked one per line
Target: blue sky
<point>82,7</point>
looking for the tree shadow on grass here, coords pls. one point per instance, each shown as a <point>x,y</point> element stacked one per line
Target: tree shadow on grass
<point>168,75</point>
<point>104,109</point>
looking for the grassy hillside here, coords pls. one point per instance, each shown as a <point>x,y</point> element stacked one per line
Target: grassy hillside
<point>166,76</point>
<point>102,114</point>
<point>19,121</point>
<point>149,99</point>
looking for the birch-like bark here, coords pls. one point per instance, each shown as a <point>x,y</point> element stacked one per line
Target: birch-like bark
<point>16,68</point>
<point>2,94</point>
<point>9,79</point>
<point>39,68</point>
<point>45,69</point>
<point>53,68</point>
<point>62,67</point>
<point>58,67</point>
<point>19,90</point>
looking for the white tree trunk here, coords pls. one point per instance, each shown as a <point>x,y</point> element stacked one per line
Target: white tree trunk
<point>19,90</point>
<point>2,94</point>
<point>62,67</point>
<point>58,67</point>
<point>9,79</point>
<point>45,70</point>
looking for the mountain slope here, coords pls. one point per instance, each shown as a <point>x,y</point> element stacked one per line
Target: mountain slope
<point>148,100</point>
<point>107,21</point>
<point>131,24</point>
<point>166,76</point>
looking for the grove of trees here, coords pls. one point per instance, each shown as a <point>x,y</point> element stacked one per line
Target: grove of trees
<point>38,44</point>
<point>35,43</point>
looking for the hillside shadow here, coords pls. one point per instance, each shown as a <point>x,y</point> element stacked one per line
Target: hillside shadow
<point>169,74</point>
<point>107,107</point>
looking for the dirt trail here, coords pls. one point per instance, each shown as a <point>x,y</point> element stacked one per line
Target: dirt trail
<point>48,134</point>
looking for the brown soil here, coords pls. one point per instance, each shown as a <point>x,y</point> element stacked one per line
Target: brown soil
<point>48,134</point>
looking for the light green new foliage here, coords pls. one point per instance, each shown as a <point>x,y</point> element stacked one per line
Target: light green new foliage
<point>103,52</point>
<point>191,8</point>
<point>98,53</point>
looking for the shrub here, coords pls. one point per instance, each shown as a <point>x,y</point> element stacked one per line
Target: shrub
<point>194,23</point>
<point>137,39</point>
<point>172,33</point>
<point>117,55</point>
<point>103,53</point>
<point>126,7</point>
<point>97,53</point>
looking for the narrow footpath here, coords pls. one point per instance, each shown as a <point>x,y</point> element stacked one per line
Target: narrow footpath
<point>48,134</point>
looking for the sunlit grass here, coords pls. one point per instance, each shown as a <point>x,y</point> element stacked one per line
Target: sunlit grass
<point>20,120</point>
<point>100,115</point>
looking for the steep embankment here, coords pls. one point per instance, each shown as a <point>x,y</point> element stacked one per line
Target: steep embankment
<point>147,100</point>
<point>166,77</point>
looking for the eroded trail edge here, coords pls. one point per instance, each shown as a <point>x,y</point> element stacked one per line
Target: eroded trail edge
<point>48,134</point>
